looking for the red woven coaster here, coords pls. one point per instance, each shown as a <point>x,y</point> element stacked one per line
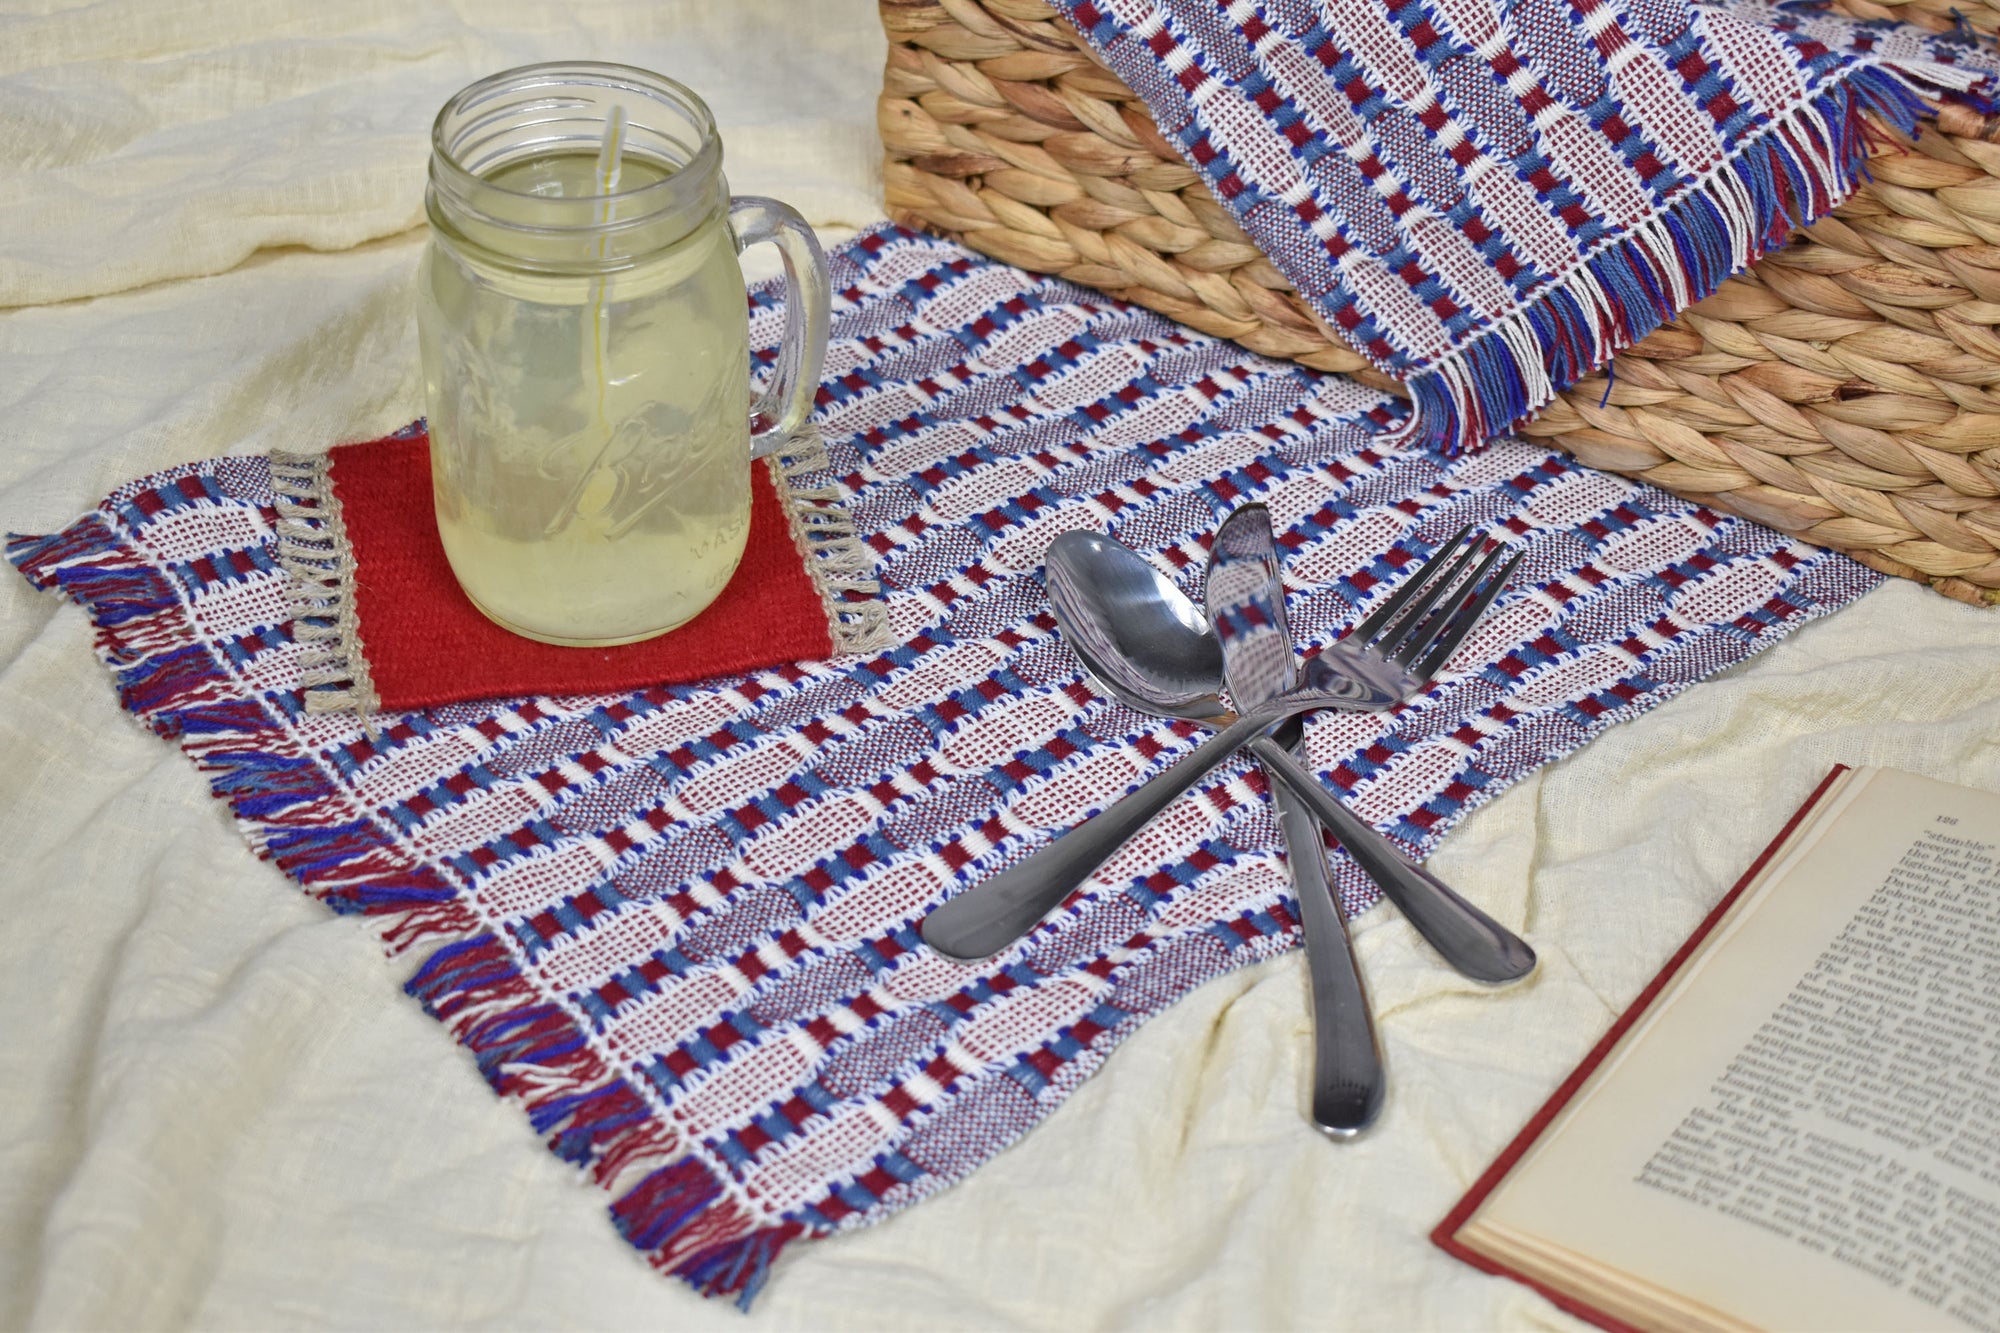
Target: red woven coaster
<point>389,629</point>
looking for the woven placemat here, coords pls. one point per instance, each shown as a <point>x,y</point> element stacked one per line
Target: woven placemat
<point>677,925</point>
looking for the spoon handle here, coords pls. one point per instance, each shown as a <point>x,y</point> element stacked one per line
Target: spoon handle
<point>998,910</point>
<point>1467,938</point>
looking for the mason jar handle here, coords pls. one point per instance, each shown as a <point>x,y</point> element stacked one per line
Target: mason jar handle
<point>781,411</point>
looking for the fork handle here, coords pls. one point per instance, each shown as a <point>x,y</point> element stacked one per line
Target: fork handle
<point>1347,1079</point>
<point>1467,938</point>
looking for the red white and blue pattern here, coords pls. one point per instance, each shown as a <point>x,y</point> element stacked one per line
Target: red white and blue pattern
<point>1488,198</point>
<point>678,926</point>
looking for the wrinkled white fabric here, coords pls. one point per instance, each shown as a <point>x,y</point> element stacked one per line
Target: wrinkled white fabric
<point>217,1109</point>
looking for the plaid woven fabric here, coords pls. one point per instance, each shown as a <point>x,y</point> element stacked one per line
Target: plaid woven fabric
<point>677,926</point>
<point>1488,198</point>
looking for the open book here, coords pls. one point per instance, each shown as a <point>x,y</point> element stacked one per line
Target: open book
<point>1797,1125</point>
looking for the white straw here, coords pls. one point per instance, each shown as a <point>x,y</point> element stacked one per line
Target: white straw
<point>611,156</point>
<point>610,163</point>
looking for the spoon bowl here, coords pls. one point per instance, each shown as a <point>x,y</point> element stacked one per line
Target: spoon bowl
<point>1147,644</point>
<point>1136,633</point>
<point>1151,648</point>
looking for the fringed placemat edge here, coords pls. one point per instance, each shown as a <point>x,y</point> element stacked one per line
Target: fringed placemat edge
<point>313,549</point>
<point>1791,173</point>
<point>837,560</point>
<point>668,1199</point>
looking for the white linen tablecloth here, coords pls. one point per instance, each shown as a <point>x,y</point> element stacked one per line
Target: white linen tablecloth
<point>216,1108</point>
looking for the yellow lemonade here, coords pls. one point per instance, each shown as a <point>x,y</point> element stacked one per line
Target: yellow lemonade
<point>589,429</point>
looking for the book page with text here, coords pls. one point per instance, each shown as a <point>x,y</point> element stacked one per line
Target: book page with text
<point>1804,1130</point>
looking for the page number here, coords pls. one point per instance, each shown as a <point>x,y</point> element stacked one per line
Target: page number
<point>1947,819</point>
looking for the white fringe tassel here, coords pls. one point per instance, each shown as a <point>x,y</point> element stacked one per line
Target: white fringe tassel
<point>838,561</point>
<point>313,549</point>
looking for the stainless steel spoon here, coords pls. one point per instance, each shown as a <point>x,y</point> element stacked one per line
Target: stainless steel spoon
<point>1246,610</point>
<point>1148,644</point>
<point>1126,614</point>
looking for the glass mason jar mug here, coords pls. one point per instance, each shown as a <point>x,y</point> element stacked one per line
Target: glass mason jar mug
<point>585,345</point>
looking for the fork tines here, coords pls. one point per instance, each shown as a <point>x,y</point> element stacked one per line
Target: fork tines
<point>1425,620</point>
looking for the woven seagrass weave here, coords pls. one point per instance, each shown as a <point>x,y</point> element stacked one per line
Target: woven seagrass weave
<point>1838,390</point>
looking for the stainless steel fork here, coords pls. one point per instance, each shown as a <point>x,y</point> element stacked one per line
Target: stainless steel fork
<point>1413,632</point>
<point>1373,668</point>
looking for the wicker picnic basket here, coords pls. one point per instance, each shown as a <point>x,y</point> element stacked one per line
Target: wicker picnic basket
<point>1842,390</point>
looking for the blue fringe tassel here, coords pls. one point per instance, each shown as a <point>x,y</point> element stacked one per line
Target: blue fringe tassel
<point>458,969</point>
<point>741,1266</point>
<point>577,1124</point>
<point>117,596</point>
<point>113,594</point>
<point>322,850</point>
<point>37,557</point>
<point>534,1035</point>
<point>223,717</point>
<point>1486,389</point>
<point>263,786</point>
